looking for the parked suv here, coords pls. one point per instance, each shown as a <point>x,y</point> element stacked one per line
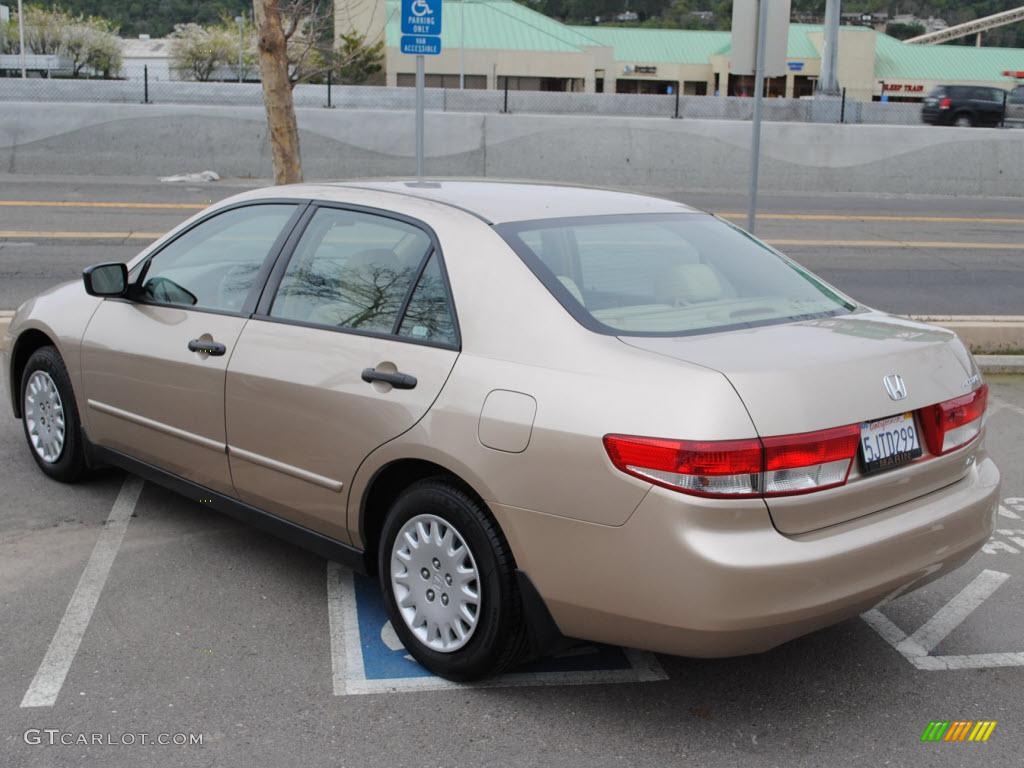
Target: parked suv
<point>1015,108</point>
<point>964,105</point>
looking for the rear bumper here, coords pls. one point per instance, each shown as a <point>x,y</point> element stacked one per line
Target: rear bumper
<point>709,579</point>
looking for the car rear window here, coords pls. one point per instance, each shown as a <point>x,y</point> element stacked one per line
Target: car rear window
<point>667,274</point>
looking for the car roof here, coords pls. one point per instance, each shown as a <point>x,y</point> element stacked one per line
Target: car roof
<point>503,201</point>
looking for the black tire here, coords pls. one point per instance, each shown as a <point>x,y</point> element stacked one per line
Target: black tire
<point>500,639</point>
<point>70,464</point>
<point>964,120</point>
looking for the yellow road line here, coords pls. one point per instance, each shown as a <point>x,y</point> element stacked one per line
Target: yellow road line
<point>873,217</point>
<point>924,244</point>
<point>98,204</point>
<point>58,235</point>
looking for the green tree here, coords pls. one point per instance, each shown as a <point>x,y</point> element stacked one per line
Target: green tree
<point>904,31</point>
<point>197,51</point>
<point>355,62</point>
<point>8,38</point>
<point>90,44</point>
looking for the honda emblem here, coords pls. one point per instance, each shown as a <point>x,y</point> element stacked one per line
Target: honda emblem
<point>895,386</point>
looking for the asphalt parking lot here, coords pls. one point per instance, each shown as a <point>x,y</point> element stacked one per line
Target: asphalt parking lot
<point>905,254</point>
<point>191,624</point>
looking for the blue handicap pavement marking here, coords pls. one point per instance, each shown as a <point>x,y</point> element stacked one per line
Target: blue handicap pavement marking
<point>368,656</point>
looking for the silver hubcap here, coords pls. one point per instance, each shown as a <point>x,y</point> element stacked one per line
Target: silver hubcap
<point>435,583</point>
<point>44,416</point>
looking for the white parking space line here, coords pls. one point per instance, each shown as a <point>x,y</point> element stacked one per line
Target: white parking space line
<point>952,614</point>
<point>344,628</point>
<point>917,647</point>
<point>49,679</point>
<point>970,661</point>
<point>885,627</point>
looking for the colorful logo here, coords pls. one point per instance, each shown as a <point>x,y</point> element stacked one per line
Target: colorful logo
<point>958,730</point>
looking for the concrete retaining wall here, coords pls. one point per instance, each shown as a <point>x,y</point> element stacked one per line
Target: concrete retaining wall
<point>647,153</point>
<point>817,110</point>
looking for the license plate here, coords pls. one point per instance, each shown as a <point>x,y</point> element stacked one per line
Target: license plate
<point>887,443</point>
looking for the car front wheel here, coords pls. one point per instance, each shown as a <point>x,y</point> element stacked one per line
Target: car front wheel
<point>448,579</point>
<point>49,416</point>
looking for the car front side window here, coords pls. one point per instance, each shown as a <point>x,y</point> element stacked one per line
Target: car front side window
<point>351,270</point>
<point>215,264</point>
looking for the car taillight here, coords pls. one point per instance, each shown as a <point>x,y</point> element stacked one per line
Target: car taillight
<point>810,461</point>
<point>946,103</point>
<point>772,466</point>
<point>704,468</point>
<point>954,423</point>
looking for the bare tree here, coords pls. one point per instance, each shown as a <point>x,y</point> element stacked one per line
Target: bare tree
<point>199,52</point>
<point>277,92</point>
<point>296,45</point>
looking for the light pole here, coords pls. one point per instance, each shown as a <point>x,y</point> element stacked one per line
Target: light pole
<point>462,44</point>
<point>755,140</point>
<point>240,21</point>
<point>827,83</point>
<point>21,38</point>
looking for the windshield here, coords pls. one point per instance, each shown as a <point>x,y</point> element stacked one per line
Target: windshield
<point>667,274</point>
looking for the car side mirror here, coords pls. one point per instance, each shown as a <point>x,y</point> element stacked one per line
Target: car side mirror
<point>106,280</point>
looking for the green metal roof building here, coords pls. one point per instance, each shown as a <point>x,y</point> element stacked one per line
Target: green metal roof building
<point>501,43</point>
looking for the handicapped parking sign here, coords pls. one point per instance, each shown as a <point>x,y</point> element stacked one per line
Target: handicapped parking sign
<point>368,656</point>
<point>421,17</point>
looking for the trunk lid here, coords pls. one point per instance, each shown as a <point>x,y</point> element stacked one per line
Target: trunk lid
<point>817,374</point>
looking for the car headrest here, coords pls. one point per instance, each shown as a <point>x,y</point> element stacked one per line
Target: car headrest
<point>374,257</point>
<point>689,283</point>
<point>571,287</point>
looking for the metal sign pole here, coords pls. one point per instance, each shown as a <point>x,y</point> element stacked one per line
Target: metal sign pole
<point>755,142</point>
<point>420,77</point>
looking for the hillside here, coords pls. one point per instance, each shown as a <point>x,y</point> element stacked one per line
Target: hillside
<point>153,17</point>
<point>158,17</point>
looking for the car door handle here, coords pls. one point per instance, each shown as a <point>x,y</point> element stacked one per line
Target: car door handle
<point>396,380</point>
<point>213,348</point>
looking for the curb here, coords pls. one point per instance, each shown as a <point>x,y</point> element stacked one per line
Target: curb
<point>983,335</point>
<point>996,364</point>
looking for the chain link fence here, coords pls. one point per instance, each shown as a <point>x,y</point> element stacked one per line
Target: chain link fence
<point>507,101</point>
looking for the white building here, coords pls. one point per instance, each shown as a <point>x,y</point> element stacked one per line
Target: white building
<point>145,53</point>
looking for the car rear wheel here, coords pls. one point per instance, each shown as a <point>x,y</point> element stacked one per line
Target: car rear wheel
<point>49,416</point>
<point>963,121</point>
<point>448,579</point>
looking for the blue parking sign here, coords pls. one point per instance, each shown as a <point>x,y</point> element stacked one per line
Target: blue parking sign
<point>421,17</point>
<point>421,45</point>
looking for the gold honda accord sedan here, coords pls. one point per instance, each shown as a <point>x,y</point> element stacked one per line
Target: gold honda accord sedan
<point>533,412</point>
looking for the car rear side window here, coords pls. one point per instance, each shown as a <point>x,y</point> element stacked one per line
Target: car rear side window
<point>351,270</point>
<point>667,274</point>
<point>429,316</point>
<point>215,264</point>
